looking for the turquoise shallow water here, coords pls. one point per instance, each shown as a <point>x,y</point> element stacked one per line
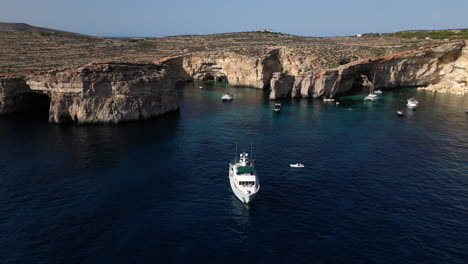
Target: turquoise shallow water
<point>376,188</point>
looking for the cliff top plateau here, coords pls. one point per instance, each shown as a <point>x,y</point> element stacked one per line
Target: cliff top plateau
<point>26,49</point>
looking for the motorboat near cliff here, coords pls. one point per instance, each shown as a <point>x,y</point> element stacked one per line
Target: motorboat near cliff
<point>378,92</point>
<point>412,103</point>
<point>400,113</point>
<point>243,178</point>
<point>371,97</point>
<point>297,165</point>
<point>328,100</point>
<point>227,97</point>
<point>277,107</point>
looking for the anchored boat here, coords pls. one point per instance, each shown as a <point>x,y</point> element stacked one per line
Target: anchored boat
<point>412,103</point>
<point>243,178</point>
<point>373,94</point>
<point>227,96</point>
<point>296,165</point>
<point>277,107</point>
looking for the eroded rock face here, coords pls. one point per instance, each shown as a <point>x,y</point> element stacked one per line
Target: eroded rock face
<point>255,70</point>
<point>238,70</point>
<point>290,75</point>
<point>452,76</point>
<point>409,69</point>
<point>282,83</point>
<point>107,93</point>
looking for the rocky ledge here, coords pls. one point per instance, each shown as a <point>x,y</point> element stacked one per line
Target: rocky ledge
<point>95,93</point>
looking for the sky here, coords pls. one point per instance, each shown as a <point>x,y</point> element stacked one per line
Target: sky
<point>156,18</point>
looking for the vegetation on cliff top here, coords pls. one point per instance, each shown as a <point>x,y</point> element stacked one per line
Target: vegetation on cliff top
<point>451,34</point>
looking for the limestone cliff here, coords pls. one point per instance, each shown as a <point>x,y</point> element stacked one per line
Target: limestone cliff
<point>254,70</point>
<point>237,69</point>
<point>417,68</point>
<point>452,77</point>
<point>288,74</point>
<point>97,93</point>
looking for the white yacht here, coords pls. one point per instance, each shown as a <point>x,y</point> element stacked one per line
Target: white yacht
<point>243,178</point>
<point>227,97</point>
<point>371,97</point>
<point>412,103</point>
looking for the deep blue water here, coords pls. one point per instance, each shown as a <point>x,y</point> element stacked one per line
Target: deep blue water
<point>376,188</point>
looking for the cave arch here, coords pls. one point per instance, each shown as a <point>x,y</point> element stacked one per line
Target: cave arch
<point>35,104</point>
<point>213,76</point>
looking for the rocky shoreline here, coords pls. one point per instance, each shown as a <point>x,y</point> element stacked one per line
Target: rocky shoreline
<point>287,76</point>
<point>129,89</point>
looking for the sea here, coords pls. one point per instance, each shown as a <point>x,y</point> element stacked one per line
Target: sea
<point>375,188</point>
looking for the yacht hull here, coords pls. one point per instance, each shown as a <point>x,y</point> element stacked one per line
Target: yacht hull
<point>243,197</point>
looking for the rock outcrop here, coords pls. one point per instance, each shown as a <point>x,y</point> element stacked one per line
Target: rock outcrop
<point>452,77</point>
<point>96,93</point>
<point>237,69</point>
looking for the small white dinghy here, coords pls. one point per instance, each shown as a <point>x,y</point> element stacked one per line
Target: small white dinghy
<point>328,100</point>
<point>378,91</point>
<point>297,165</point>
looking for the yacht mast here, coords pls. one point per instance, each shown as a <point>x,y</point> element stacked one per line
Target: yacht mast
<point>373,87</point>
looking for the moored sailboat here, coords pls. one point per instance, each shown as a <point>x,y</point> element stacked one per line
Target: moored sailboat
<point>372,95</point>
